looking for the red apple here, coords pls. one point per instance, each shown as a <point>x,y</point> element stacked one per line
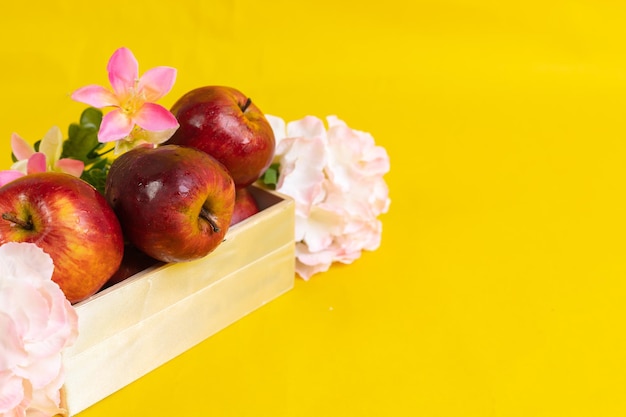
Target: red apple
<point>133,262</point>
<point>174,203</point>
<point>224,123</point>
<point>245,205</point>
<point>69,220</point>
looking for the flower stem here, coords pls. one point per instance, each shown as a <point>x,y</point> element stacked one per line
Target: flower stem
<point>26,224</point>
<point>100,155</point>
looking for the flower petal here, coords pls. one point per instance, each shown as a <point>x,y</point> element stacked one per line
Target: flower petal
<point>309,126</point>
<point>25,260</point>
<point>44,404</point>
<point>302,162</point>
<point>36,163</point>
<point>21,149</point>
<point>157,82</point>
<point>20,166</point>
<point>41,323</point>
<point>141,136</point>
<point>52,144</point>
<point>9,175</point>
<point>279,127</point>
<point>71,166</point>
<point>309,263</point>
<point>12,394</point>
<point>95,96</point>
<point>44,370</point>
<point>333,120</point>
<point>115,126</point>
<point>123,146</point>
<point>154,117</point>
<point>123,70</point>
<point>322,226</point>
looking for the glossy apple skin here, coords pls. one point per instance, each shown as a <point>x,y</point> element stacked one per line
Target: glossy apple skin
<point>158,195</point>
<point>245,206</point>
<point>211,119</point>
<point>72,222</point>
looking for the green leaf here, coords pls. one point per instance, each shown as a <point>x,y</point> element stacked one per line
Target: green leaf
<point>82,142</point>
<point>97,176</point>
<point>73,130</point>
<point>270,176</point>
<point>91,118</point>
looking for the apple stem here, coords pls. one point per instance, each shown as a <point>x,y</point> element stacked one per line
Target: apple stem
<point>206,215</point>
<point>246,105</point>
<point>28,225</point>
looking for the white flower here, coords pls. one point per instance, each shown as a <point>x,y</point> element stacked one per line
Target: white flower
<point>335,177</point>
<point>36,323</point>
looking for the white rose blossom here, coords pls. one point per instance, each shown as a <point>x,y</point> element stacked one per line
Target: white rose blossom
<point>335,177</point>
<point>36,324</point>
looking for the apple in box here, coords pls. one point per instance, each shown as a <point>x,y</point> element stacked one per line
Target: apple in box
<point>224,123</point>
<point>245,205</point>
<point>71,221</point>
<point>133,262</point>
<point>174,203</point>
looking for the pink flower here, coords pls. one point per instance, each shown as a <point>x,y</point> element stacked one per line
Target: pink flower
<point>48,158</point>
<point>9,175</point>
<point>36,323</point>
<point>335,177</point>
<point>136,119</point>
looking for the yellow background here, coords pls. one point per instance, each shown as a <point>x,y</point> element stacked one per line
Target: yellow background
<point>499,286</point>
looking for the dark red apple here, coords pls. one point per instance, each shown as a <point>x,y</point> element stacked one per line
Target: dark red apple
<point>69,220</point>
<point>224,123</point>
<point>133,262</point>
<point>174,203</point>
<point>245,205</point>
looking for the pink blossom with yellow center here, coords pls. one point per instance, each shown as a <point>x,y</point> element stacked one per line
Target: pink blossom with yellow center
<point>136,118</point>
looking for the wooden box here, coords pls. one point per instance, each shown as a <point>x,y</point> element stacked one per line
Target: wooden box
<point>133,327</point>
